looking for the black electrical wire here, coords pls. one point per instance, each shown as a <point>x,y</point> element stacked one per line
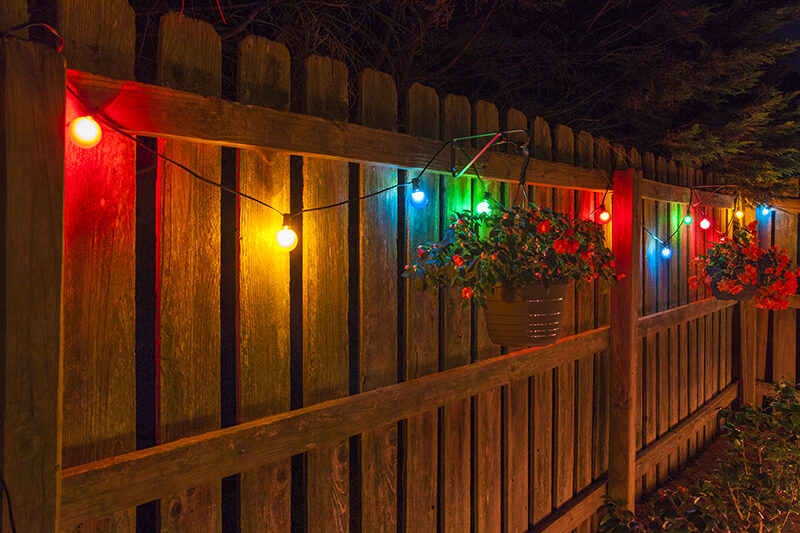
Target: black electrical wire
<point>36,25</point>
<point>8,502</point>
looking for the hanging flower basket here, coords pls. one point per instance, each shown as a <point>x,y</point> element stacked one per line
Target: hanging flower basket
<point>728,290</point>
<point>525,316</point>
<point>516,263</point>
<point>736,268</point>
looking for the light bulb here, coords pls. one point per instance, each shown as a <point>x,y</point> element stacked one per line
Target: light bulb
<point>687,220</point>
<point>739,213</point>
<point>766,210</point>
<point>705,223</point>
<point>666,252</point>
<point>85,132</point>
<point>483,208</point>
<point>286,237</point>
<point>603,216</point>
<point>418,198</point>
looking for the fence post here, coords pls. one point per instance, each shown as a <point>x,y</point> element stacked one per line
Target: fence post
<point>32,97</point>
<point>626,244</point>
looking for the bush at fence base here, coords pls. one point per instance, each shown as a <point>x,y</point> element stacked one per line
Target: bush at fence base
<point>737,268</point>
<point>755,487</point>
<point>504,259</point>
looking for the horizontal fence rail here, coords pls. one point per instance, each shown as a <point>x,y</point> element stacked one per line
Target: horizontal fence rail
<point>105,486</point>
<point>155,111</point>
<point>662,320</point>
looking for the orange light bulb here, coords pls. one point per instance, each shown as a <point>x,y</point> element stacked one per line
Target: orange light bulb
<point>604,217</point>
<point>85,132</point>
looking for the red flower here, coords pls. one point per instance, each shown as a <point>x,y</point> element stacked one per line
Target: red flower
<point>560,246</point>
<point>586,255</point>
<point>467,292</point>
<point>458,261</point>
<point>420,251</point>
<point>573,246</point>
<point>570,232</point>
<point>543,226</point>
<point>753,226</point>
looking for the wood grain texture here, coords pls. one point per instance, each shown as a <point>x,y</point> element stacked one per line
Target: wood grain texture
<point>624,313</point>
<point>263,280</point>
<point>188,271</point>
<point>422,329</point>
<point>584,321</point>
<point>155,111</point>
<point>99,37</point>
<point>784,322</point>
<point>565,376</point>
<point>115,483</point>
<point>13,13</point>
<point>32,96</point>
<point>516,399</point>
<point>99,256</point>
<point>377,107</point>
<point>658,451</point>
<point>575,512</point>
<point>762,315</point>
<point>541,385</point>
<point>602,160</point>
<point>456,117</point>
<point>488,469</point>
<point>325,297</point>
<point>662,320</point>
<point>649,376</point>
<point>662,339</point>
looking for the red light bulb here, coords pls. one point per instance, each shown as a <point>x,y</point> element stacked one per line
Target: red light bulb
<point>85,132</point>
<point>603,216</point>
<point>705,223</point>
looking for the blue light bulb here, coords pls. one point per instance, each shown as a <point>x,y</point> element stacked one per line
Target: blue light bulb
<point>483,208</point>
<point>418,198</point>
<point>766,210</point>
<point>666,252</point>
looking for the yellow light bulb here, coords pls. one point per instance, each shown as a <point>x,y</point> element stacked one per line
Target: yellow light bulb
<point>85,132</point>
<point>287,239</point>
<point>739,213</point>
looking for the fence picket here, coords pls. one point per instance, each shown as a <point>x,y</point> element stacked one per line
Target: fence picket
<point>99,255</point>
<point>263,276</point>
<point>377,108</point>
<point>422,331</point>
<point>486,407</point>
<point>454,483</point>
<point>325,297</point>
<point>188,276</point>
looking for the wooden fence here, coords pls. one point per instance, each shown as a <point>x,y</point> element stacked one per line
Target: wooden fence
<point>170,358</point>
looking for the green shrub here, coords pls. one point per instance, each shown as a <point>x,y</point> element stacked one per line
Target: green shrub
<point>755,488</point>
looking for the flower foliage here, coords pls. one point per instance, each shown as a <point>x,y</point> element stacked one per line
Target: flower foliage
<point>514,246</point>
<point>755,487</point>
<point>739,262</point>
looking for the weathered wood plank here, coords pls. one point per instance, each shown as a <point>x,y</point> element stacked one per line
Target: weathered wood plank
<point>668,318</point>
<point>102,487</point>
<point>565,376</point>
<point>624,314</point>
<point>422,330</point>
<point>515,466</point>
<point>189,58</point>
<point>763,315</point>
<point>576,511</point>
<point>156,111</point>
<point>541,385</point>
<point>32,96</point>
<point>99,258</point>
<point>603,313</point>
<point>650,278</point>
<point>584,320</point>
<point>377,107</point>
<point>784,322</point>
<point>456,116</point>
<point>487,489</point>
<point>263,279</point>
<point>14,13</point>
<point>325,296</point>
<point>663,393</point>
<point>664,446</point>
